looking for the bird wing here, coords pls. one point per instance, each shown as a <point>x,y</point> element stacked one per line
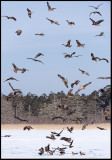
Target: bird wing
<point>28,10</point>
<point>90,13</point>
<point>39,54</point>
<point>78,90</point>
<point>105,60</point>
<point>11,86</point>
<point>99,13</point>
<point>87,84</point>
<point>99,21</point>
<point>49,20</point>
<point>92,20</point>
<point>92,6</point>
<point>13,18</point>
<point>49,7</point>
<point>73,53</point>
<point>92,55</point>
<point>66,84</point>
<point>67,55</point>
<point>78,42</point>
<point>61,77</point>
<point>99,5</point>
<point>68,43</point>
<point>81,70</point>
<point>14,66</point>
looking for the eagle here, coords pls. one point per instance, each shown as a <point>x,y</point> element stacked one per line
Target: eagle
<point>51,137</point>
<point>93,57</point>
<point>55,22</point>
<point>10,18</point>
<point>84,72</point>
<point>66,139</point>
<point>79,44</point>
<point>83,87</point>
<point>82,154</point>
<point>69,93</point>
<point>97,6</point>
<point>73,153</point>
<point>76,82</point>
<point>68,44</point>
<point>95,13</point>
<point>64,80</point>
<point>29,12</point>
<point>70,129</point>
<point>104,78</point>
<point>70,23</point>
<point>49,7</point>
<point>15,68</point>
<point>96,23</point>
<point>39,54</point>
<point>41,151</point>
<point>47,148</point>
<point>69,55</point>
<point>11,78</point>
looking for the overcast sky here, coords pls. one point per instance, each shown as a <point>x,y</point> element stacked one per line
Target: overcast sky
<point>42,78</point>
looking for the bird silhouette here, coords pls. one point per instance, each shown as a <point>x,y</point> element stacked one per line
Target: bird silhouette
<point>18,32</point>
<point>84,72</point>
<point>69,93</point>
<point>64,80</point>
<point>93,57</point>
<point>70,129</point>
<point>29,12</point>
<point>39,54</point>
<point>49,7</point>
<point>36,60</point>
<point>73,153</point>
<point>64,119</point>
<point>96,7</point>
<point>95,13</point>
<point>101,128</point>
<point>83,87</point>
<point>55,22</point>
<point>41,151</point>
<point>47,148</point>
<point>96,23</point>
<point>75,83</point>
<point>51,137</point>
<point>10,18</point>
<point>68,44</point>
<point>11,78</point>
<point>104,78</point>
<point>82,153</point>
<point>101,34</point>
<point>69,55</point>
<point>41,34</point>
<point>79,44</point>
<point>66,139</point>
<point>70,23</point>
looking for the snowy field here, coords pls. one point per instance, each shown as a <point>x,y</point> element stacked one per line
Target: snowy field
<point>26,144</point>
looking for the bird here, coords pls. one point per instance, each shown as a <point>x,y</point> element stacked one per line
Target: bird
<point>79,44</point>
<point>11,78</point>
<point>69,93</point>
<point>84,126</point>
<point>82,153</point>
<point>68,44</point>
<point>78,119</point>
<point>24,70</point>
<point>70,23</point>
<point>83,87</point>
<point>6,136</point>
<point>41,151</point>
<point>76,82</point>
<point>21,120</point>
<point>29,12</point>
<point>12,87</point>
<point>69,55</point>
<point>66,139</point>
<point>27,127</point>
<point>101,34</point>
<point>70,129</point>
<point>101,128</point>
<point>55,22</point>
<point>64,119</point>
<point>104,59</point>
<point>96,23</point>
<point>51,137</point>
<point>58,134</point>
<point>93,57</point>
<point>60,149</point>
<point>71,112</point>
<point>95,13</point>
<point>41,34</point>
<point>10,96</point>
<point>47,148</point>
<point>73,153</point>
<point>104,78</point>
<point>49,7</point>
<point>101,90</point>
<point>36,60</point>
<point>70,145</point>
<point>84,72</point>
<point>10,18</point>
<point>52,152</point>
<point>18,32</point>
<point>39,54</point>
<point>77,56</point>
<point>97,6</point>
<point>15,68</point>
<point>64,80</point>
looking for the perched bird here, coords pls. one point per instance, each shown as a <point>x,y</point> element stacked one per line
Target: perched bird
<point>84,72</point>
<point>101,128</point>
<point>73,153</point>
<point>79,44</point>
<point>39,54</point>
<point>69,93</point>
<point>104,59</point>
<point>82,153</point>
<point>49,7</point>
<point>83,87</point>
<point>93,57</point>
<point>64,80</point>
<point>18,32</point>
<point>41,151</point>
<point>101,34</point>
<point>104,78</point>
<point>96,23</point>
<point>70,23</point>
<point>76,82</point>
<point>55,22</point>
<point>68,44</point>
<point>10,18</point>
<point>11,78</point>
<point>70,129</point>
<point>70,145</point>
<point>47,148</point>
<point>51,137</point>
<point>16,68</point>
<point>66,139</point>
<point>64,119</point>
<point>77,56</point>
<point>97,6</point>
<point>95,13</point>
<point>41,34</point>
<point>69,55</point>
<point>36,60</point>
<point>29,12</point>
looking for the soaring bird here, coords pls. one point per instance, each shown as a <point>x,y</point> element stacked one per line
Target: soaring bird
<point>104,59</point>
<point>10,18</point>
<point>55,22</point>
<point>51,137</point>
<point>70,129</point>
<point>24,70</point>
<point>69,93</point>
<point>69,55</point>
<point>84,72</point>
<point>79,44</point>
<point>52,152</point>
<point>70,23</point>
<point>93,57</point>
<point>21,120</point>
<point>12,87</point>
<point>76,82</point>
<point>49,7</point>
<point>70,145</point>
<point>39,54</point>
<point>82,153</point>
<point>57,134</point>
<point>41,151</point>
<point>16,68</point>
<point>78,119</point>
<point>60,149</point>
<point>95,13</point>
<point>36,60</point>
<point>96,23</point>
<point>101,128</point>
<point>29,12</point>
<point>68,44</point>
<point>101,34</point>
<point>18,32</point>
<point>11,78</point>
<point>64,119</point>
<point>66,139</point>
<point>83,87</point>
<point>64,80</point>
<point>97,6</point>
<point>41,34</point>
<point>27,127</point>
<point>104,78</point>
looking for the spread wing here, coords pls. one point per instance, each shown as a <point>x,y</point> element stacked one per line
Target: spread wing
<point>11,86</point>
<point>92,20</point>
<point>61,77</point>
<point>15,67</point>
<point>68,43</point>
<point>49,7</point>
<point>81,70</point>
<point>73,53</point>
<point>92,6</point>
<point>87,84</point>
<point>78,42</point>
<point>29,12</point>
<point>99,5</point>
<point>99,13</point>
<point>77,90</point>
<point>67,55</point>
<point>13,18</point>
<point>99,21</point>
<point>104,59</point>
<point>49,20</point>
<point>92,55</point>
<point>39,54</point>
<point>76,82</point>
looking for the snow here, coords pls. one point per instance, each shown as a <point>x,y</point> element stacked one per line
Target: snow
<point>26,144</point>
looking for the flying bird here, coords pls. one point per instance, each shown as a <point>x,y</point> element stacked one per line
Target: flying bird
<point>18,32</point>
<point>10,18</point>
<point>95,13</point>
<point>69,55</point>
<point>64,80</point>
<point>66,139</point>
<point>12,87</point>
<point>68,44</point>
<point>24,70</point>
<point>41,34</point>
<point>84,126</point>
<point>96,23</point>
<point>73,153</point>
<point>27,127</point>
<point>39,54</point>
<point>51,137</point>
<point>84,72</point>
<point>96,7</point>
<point>82,153</point>
<point>79,44</point>
<point>47,148</point>
<point>41,151</point>
<point>76,82</point>
<point>104,78</point>
<point>55,22</point>
<point>11,78</point>
<point>16,68</point>
<point>70,23</point>
<point>101,34</point>
<point>64,119</point>
<point>93,57</point>
<point>101,128</point>
<point>83,87</point>
<point>36,60</point>
<point>69,93</point>
<point>52,152</point>
<point>70,129</point>
<point>29,12</point>
<point>104,59</point>
<point>70,145</point>
<point>49,7</point>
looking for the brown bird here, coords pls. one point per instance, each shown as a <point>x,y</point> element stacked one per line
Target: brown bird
<point>41,34</point>
<point>71,112</point>
<point>104,78</point>
<point>62,152</point>
<point>39,54</point>
<point>68,44</point>
<point>10,96</point>
<point>70,129</point>
<point>78,119</point>
<point>101,90</point>
<point>79,44</point>
<point>64,119</point>
<point>69,93</point>
<point>55,22</point>
<point>49,7</point>
<point>76,82</point>
<point>47,148</point>
<point>97,6</point>
<point>16,68</point>
<point>18,32</point>
<point>51,137</point>
<point>83,87</point>
<point>24,70</point>
<point>10,18</point>
<point>101,34</point>
<point>11,78</point>
<point>84,126</point>
<point>29,12</point>
<point>70,23</point>
<point>41,151</point>
<point>73,153</point>
<point>36,60</point>
<point>13,88</point>
<point>52,152</point>
<point>6,136</point>
<point>69,55</point>
<point>101,128</point>
<point>96,23</point>
<point>103,59</point>
<point>82,153</point>
<point>94,58</point>
<point>58,134</point>
<point>64,80</point>
<point>21,120</point>
<point>27,127</point>
<point>60,149</point>
<point>95,13</point>
<point>70,145</point>
<point>84,72</point>
<point>66,139</point>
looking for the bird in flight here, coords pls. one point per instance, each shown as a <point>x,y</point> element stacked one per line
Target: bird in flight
<point>68,44</point>
<point>95,13</point>
<point>79,44</point>
<point>64,80</point>
<point>55,22</point>
<point>70,129</point>
<point>47,148</point>
<point>101,128</point>
<point>70,145</point>
<point>49,7</point>
<point>83,87</point>
<point>66,139</point>
<point>29,12</point>
<point>18,32</point>
<point>51,137</point>
<point>16,68</point>
<point>12,87</point>
<point>70,23</point>
<point>76,82</point>
<point>96,7</point>
<point>58,134</point>
<point>41,151</point>
<point>73,153</point>
<point>84,72</point>
<point>39,54</point>
<point>82,153</point>
<point>10,18</point>
<point>93,57</point>
<point>104,78</point>
<point>11,78</point>
<point>41,34</point>
<point>101,34</point>
<point>69,93</point>
<point>103,59</point>
<point>36,60</point>
<point>64,119</point>
<point>96,23</point>
<point>69,55</point>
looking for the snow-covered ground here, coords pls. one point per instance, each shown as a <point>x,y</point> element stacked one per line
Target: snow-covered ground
<point>26,144</point>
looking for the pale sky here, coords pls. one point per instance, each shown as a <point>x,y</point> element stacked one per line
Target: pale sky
<point>42,78</point>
